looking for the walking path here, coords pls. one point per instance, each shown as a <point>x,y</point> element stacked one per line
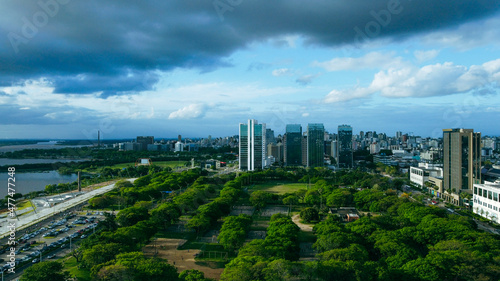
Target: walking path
<point>303,227</point>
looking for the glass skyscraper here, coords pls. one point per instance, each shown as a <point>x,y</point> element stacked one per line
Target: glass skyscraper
<point>252,151</point>
<point>315,145</point>
<point>293,145</point>
<point>344,145</point>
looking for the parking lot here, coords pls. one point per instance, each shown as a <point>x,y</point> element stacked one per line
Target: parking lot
<point>49,240</point>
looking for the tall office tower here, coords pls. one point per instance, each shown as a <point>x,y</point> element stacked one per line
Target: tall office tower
<point>144,141</point>
<point>252,151</point>
<point>315,145</point>
<point>462,160</point>
<point>275,150</point>
<point>304,149</point>
<point>293,145</point>
<point>399,134</point>
<point>270,136</point>
<point>344,145</point>
<point>362,135</point>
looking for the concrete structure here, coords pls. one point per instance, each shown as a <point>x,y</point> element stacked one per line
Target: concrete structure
<point>179,147</point>
<point>252,148</point>
<point>144,141</point>
<point>486,201</point>
<point>345,156</point>
<point>461,161</point>
<point>293,145</point>
<point>315,145</point>
<point>276,151</point>
<point>374,148</point>
<point>421,174</point>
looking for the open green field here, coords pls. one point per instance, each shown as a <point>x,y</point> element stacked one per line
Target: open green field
<point>278,188</point>
<point>171,164</point>
<point>72,266</point>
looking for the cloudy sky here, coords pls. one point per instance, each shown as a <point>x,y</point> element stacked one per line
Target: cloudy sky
<point>199,67</point>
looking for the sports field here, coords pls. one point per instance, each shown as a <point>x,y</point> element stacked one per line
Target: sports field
<point>278,188</point>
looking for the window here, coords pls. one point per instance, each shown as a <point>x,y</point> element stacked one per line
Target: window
<point>490,196</point>
<point>475,190</point>
<point>495,196</point>
<point>480,192</point>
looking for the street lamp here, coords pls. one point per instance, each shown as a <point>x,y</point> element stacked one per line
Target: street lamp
<point>70,238</point>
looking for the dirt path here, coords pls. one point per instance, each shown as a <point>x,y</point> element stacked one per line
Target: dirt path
<point>303,227</point>
<point>181,259</point>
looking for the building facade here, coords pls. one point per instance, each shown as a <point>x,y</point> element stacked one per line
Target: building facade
<point>315,145</point>
<point>252,149</point>
<point>293,145</point>
<point>345,155</point>
<point>486,201</point>
<point>461,160</point>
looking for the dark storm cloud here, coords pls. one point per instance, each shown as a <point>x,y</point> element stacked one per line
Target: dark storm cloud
<point>15,115</point>
<point>117,47</point>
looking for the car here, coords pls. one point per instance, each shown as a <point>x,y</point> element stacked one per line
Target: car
<point>83,236</point>
<point>64,246</point>
<point>434,202</point>
<point>35,261</point>
<point>51,256</point>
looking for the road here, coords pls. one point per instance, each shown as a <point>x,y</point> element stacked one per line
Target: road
<point>26,220</point>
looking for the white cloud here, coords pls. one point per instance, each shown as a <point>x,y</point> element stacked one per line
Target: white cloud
<point>306,114</point>
<point>422,56</point>
<point>282,72</point>
<point>370,60</point>
<point>427,81</point>
<point>191,111</point>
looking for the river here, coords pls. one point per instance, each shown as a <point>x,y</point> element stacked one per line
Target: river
<point>28,182</point>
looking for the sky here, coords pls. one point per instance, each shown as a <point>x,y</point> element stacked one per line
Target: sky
<point>200,67</point>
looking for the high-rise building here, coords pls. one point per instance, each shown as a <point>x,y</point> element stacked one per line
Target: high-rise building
<point>275,150</point>
<point>304,149</point>
<point>270,136</point>
<point>315,145</point>
<point>344,145</point>
<point>293,145</point>
<point>252,151</point>
<point>144,141</point>
<point>461,162</point>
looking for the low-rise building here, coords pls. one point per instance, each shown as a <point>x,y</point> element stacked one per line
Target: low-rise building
<point>420,175</point>
<point>486,201</point>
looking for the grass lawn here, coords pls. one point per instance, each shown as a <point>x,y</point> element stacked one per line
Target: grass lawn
<point>72,266</point>
<point>23,205</point>
<point>171,164</point>
<point>278,188</point>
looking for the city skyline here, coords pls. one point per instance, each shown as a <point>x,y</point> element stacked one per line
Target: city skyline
<point>69,69</point>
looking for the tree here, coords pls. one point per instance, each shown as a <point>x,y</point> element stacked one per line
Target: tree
<point>45,271</point>
<point>156,269</point>
<point>193,275</point>
<point>115,273</point>
<point>234,230</point>
<point>291,200</point>
<point>259,199</point>
<point>132,215</point>
<point>77,254</point>
<point>309,214</point>
<point>109,222</point>
<point>100,253</point>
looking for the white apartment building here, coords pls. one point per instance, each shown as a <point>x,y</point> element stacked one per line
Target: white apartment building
<point>486,201</point>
